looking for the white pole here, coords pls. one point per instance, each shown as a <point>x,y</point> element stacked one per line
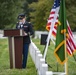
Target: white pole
<point>50,32</point>
<point>48,38</point>
<point>65,65</point>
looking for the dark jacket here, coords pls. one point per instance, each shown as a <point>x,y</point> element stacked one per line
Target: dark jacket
<point>27,27</point>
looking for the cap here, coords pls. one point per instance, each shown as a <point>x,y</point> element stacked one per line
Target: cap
<point>21,16</point>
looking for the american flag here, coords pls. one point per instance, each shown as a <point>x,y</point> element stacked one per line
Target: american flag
<point>53,17</point>
<point>71,46</point>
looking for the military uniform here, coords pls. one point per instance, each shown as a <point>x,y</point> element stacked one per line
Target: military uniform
<point>27,27</point>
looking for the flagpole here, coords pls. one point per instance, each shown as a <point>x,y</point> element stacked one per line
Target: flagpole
<point>49,37</point>
<point>47,43</point>
<point>50,33</point>
<point>66,63</point>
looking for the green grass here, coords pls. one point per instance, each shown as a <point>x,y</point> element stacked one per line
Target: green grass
<point>5,65</point>
<point>51,60</point>
<point>31,70</point>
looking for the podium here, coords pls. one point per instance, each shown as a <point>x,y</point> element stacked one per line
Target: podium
<point>15,40</point>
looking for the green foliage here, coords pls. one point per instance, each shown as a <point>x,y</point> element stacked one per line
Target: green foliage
<point>37,11</point>
<point>71,13</point>
<point>41,13</point>
<point>26,9</point>
<point>9,10</point>
<point>42,10</point>
<point>30,1</point>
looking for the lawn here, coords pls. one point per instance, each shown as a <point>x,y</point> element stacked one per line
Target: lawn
<point>31,70</point>
<point>5,65</point>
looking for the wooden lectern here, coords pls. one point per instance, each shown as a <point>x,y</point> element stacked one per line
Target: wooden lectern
<point>15,40</point>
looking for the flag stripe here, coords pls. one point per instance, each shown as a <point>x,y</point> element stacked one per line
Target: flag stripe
<point>70,41</point>
<point>53,17</point>
<point>71,46</point>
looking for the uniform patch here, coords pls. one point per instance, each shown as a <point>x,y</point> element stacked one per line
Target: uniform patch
<point>25,26</point>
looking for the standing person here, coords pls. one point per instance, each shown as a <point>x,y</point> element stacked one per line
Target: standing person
<point>28,30</point>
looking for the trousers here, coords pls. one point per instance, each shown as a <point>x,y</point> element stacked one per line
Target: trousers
<point>25,54</point>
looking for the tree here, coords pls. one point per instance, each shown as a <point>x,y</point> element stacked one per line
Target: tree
<point>26,8</point>
<point>71,13</point>
<point>9,10</point>
<point>41,11</point>
<point>30,1</point>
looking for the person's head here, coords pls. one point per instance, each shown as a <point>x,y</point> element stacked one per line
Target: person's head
<point>21,17</point>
